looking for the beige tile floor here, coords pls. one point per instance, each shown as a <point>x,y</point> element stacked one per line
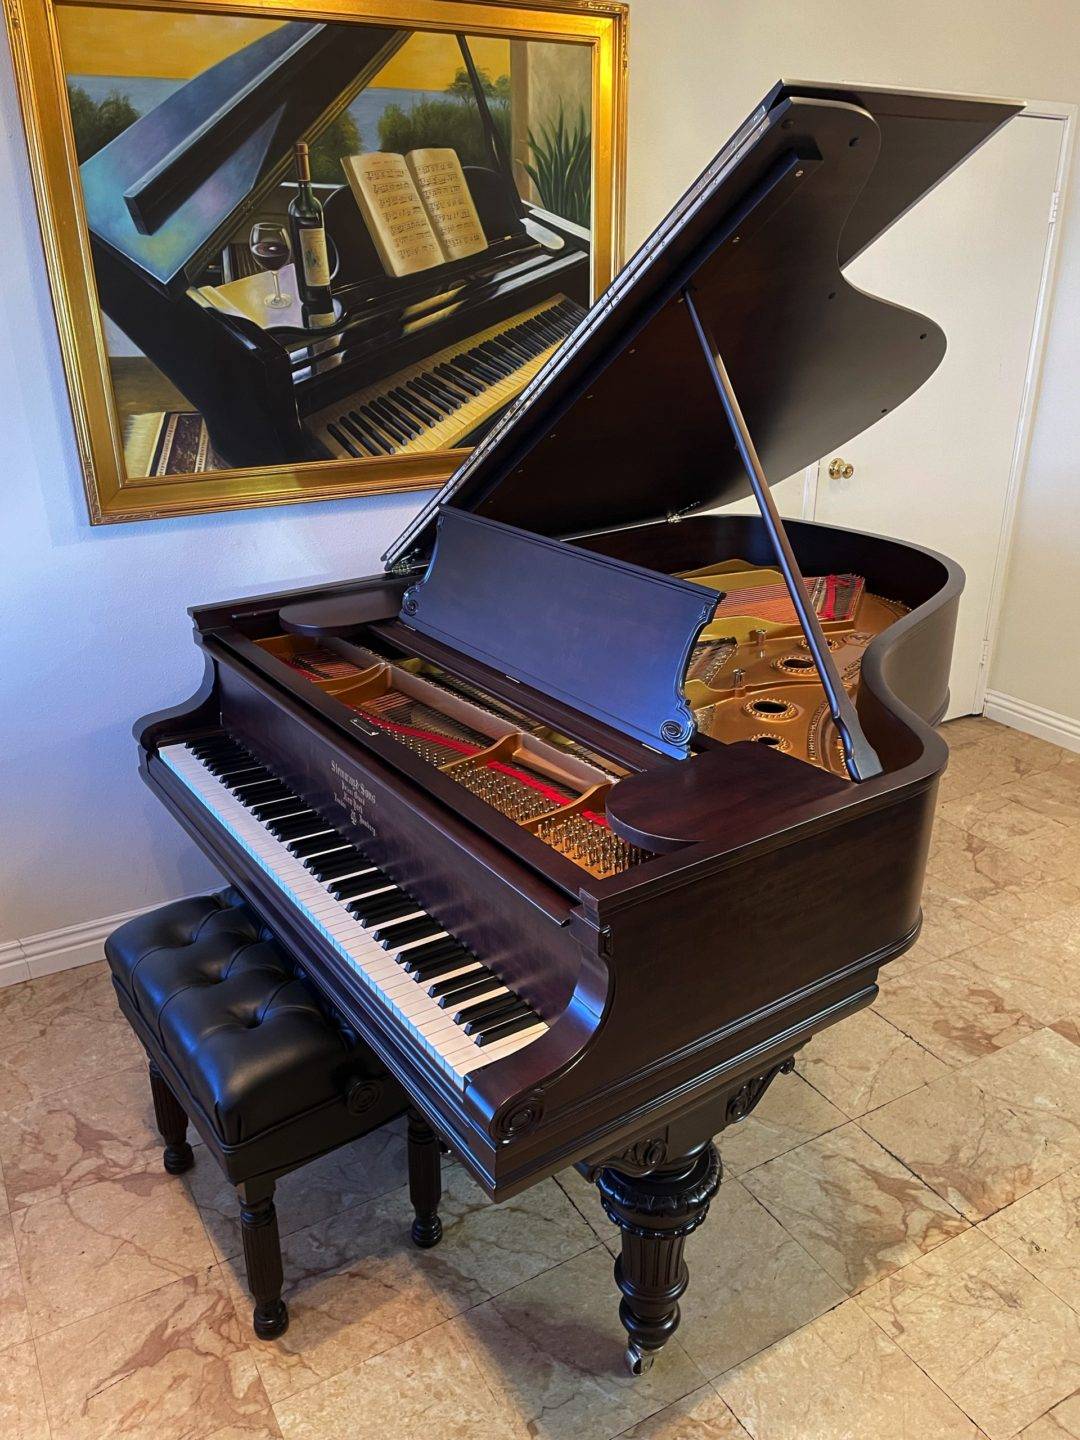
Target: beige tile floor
<point>895,1250</point>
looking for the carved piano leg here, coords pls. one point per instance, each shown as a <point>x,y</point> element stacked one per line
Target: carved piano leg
<point>172,1122</point>
<point>656,1212</point>
<point>425,1181</point>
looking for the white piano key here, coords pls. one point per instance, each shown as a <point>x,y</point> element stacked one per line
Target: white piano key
<point>405,1000</point>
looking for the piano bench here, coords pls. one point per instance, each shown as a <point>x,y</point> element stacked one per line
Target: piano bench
<point>239,1045</point>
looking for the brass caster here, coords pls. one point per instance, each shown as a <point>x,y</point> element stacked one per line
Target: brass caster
<point>639,1362</point>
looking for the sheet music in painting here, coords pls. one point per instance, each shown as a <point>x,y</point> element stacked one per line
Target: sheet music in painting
<point>444,192</point>
<point>417,208</point>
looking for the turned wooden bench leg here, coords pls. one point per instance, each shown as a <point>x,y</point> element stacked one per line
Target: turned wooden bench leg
<point>172,1122</point>
<point>262,1257</point>
<point>425,1181</point>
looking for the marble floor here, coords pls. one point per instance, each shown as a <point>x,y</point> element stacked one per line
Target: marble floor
<point>895,1250</point>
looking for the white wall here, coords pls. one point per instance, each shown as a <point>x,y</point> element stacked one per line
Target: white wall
<point>93,621</point>
<point>697,67</point>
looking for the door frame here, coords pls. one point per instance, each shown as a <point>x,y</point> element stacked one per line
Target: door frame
<point>1066,115</point>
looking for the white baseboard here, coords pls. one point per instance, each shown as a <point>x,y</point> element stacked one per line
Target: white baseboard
<point>1034,720</point>
<point>62,949</point>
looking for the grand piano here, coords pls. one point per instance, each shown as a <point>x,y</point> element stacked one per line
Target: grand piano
<point>544,806</point>
<point>412,364</point>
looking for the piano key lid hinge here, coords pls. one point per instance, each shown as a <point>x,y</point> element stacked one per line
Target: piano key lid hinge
<point>860,757</point>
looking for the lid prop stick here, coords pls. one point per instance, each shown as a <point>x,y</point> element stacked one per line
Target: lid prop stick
<point>860,757</point>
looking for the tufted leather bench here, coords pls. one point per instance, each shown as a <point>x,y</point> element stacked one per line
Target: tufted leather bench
<point>239,1045</point>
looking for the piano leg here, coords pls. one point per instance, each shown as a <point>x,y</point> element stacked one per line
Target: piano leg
<point>656,1212</point>
<point>425,1181</point>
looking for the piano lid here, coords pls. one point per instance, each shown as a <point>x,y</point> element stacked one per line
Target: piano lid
<point>171,185</point>
<point>623,425</point>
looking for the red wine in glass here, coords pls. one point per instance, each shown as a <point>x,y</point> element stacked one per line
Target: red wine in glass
<point>271,249</point>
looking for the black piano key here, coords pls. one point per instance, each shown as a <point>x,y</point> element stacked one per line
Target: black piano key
<point>403,932</point>
<point>432,969</point>
<point>213,745</point>
<point>482,354</point>
<point>293,826</point>
<point>277,809</point>
<point>366,882</point>
<point>388,434</point>
<point>385,406</point>
<point>348,445</point>
<point>372,910</point>
<point>480,368</point>
<point>335,864</point>
<point>433,949</point>
<point>396,432</point>
<point>316,843</point>
<point>370,439</point>
<point>474,1015</point>
<point>459,378</point>
<point>518,346</point>
<point>258,789</point>
<point>231,765</point>
<point>487,353</point>
<point>352,430</point>
<point>456,986</point>
<point>415,407</point>
<point>504,350</point>
<point>452,395</point>
<point>415,963</point>
<point>440,401</point>
<point>539,327</point>
<point>480,1029</point>
<point>466,992</point>
<point>509,1026</point>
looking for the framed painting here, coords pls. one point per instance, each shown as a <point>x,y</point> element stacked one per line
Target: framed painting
<point>298,252</point>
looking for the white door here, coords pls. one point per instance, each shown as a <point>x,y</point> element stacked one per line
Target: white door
<point>937,471</point>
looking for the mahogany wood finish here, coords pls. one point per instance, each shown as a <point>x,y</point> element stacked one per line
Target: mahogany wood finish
<point>656,1212</point>
<point>770,893</point>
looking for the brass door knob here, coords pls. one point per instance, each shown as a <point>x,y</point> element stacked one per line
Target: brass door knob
<point>840,469</point>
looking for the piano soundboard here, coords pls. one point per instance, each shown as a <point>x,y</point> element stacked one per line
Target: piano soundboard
<point>437,403</point>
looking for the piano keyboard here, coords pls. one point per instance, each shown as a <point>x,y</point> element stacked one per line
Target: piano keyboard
<point>437,403</point>
<point>420,978</point>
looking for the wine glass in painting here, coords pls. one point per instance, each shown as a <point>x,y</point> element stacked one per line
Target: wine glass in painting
<point>270,248</point>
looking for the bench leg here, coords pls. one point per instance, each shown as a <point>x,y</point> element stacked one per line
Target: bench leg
<point>172,1122</point>
<point>262,1257</point>
<point>425,1181</point>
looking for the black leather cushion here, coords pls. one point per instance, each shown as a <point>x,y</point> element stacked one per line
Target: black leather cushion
<point>240,1029</point>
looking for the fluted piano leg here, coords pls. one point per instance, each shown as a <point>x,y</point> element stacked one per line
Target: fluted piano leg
<point>656,1212</point>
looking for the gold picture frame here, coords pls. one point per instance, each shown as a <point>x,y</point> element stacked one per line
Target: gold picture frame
<point>34,32</point>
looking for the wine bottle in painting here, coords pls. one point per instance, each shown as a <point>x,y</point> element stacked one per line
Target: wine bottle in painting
<point>309,245</point>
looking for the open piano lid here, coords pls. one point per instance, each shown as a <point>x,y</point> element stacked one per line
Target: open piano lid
<point>623,425</point>
<point>164,192</point>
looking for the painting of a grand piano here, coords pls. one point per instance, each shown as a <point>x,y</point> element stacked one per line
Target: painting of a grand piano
<point>192,133</point>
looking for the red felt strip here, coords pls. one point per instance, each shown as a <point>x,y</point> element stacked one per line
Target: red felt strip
<point>462,747</point>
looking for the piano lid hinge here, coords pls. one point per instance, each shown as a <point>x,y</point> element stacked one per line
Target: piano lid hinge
<point>603,936</point>
<point>14,18</point>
